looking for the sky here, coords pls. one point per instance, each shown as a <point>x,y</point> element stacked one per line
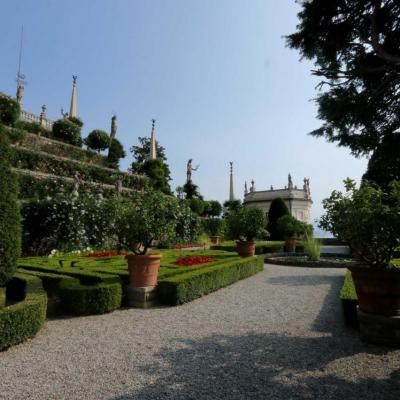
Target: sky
<point>215,74</point>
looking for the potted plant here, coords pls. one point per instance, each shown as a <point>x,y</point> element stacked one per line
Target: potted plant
<point>369,220</point>
<point>146,217</point>
<point>291,228</point>
<point>214,227</point>
<point>245,225</point>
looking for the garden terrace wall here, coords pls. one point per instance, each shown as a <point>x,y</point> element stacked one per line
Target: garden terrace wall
<point>22,320</point>
<point>188,286</point>
<point>36,185</point>
<point>57,148</point>
<point>42,162</point>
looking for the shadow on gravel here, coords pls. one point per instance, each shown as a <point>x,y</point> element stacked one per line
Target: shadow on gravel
<point>330,318</point>
<point>257,366</point>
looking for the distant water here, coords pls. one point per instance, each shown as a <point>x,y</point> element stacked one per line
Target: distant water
<point>319,233</point>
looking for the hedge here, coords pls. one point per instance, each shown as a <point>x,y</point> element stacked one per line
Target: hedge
<point>2,297</point>
<point>78,299</point>
<point>42,162</point>
<point>349,300</point>
<point>24,319</point>
<point>185,287</point>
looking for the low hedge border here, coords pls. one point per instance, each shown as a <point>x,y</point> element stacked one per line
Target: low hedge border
<point>301,261</point>
<point>349,300</point>
<point>78,299</point>
<point>22,320</point>
<point>188,286</point>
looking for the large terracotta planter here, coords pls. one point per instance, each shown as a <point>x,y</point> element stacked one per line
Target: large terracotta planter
<point>290,244</point>
<point>143,270</point>
<point>215,239</point>
<point>246,249</point>
<point>378,291</point>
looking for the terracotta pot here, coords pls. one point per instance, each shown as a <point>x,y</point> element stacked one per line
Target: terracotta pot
<point>246,249</point>
<point>290,244</point>
<point>143,270</point>
<point>215,239</point>
<point>378,291</point>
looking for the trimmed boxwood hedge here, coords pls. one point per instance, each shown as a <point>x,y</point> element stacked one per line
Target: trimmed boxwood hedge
<point>349,300</point>
<point>185,287</point>
<point>24,319</point>
<point>78,299</point>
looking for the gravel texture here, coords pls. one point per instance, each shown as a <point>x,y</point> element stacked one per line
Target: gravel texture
<point>276,335</point>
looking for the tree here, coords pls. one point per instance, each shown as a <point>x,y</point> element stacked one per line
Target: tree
<point>141,154</point>
<point>157,170</point>
<point>10,229</point>
<point>277,210</point>
<point>67,131</point>
<point>355,45</point>
<point>98,140</point>
<point>76,121</point>
<point>232,206</point>
<point>213,208</point>
<point>9,110</point>
<point>191,191</point>
<point>115,153</point>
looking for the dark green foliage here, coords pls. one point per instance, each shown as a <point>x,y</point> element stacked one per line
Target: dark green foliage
<point>191,191</point>
<point>98,140</point>
<point>355,45</point>
<point>9,110</point>
<point>214,226</point>
<point>88,300</point>
<point>10,229</point>
<point>197,205</point>
<point>277,210</point>
<point>213,208</point>
<point>33,127</point>
<point>2,297</point>
<point>185,287</point>
<point>16,135</point>
<point>384,164</point>
<point>232,206</point>
<point>246,224</point>
<point>188,226</point>
<point>289,226</point>
<point>115,153</point>
<point>22,320</point>
<point>76,121</point>
<point>155,171</point>
<point>34,161</point>
<point>67,131</point>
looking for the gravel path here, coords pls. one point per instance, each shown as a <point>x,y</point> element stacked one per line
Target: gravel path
<point>277,335</point>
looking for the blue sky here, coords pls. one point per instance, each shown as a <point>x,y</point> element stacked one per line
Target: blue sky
<point>214,73</point>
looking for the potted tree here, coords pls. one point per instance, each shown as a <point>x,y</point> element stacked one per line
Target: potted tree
<point>146,217</point>
<point>369,220</point>
<point>214,227</point>
<point>291,228</point>
<point>245,225</point>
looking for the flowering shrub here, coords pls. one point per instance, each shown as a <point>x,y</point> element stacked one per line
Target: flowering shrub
<point>193,260</point>
<point>186,245</point>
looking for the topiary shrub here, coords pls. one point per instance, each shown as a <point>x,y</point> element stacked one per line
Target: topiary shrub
<point>76,121</point>
<point>9,110</point>
<point>98,140</point>
<point>10,229</point>
<point>33,127</point>
<point>115,153</point>
<point>277,210</point>
<point>67,131</point>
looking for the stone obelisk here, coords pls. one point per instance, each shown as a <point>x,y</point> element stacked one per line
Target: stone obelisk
<point>74,105</point>
<point>153,150</point>
<point>113,133</point>
<point>231,194</point>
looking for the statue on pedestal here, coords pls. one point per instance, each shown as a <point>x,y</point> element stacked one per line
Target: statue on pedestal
<point>189,170</point>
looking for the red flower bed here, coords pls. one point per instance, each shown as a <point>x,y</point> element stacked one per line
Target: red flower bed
<point>106,254</point>
<point>193,260</point>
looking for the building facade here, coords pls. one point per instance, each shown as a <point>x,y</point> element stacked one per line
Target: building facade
<point>298,201</point>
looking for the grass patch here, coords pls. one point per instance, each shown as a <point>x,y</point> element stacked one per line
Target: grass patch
<point>348,298</point>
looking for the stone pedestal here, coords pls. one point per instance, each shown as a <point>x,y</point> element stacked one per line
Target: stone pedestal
<point>379,329</point>
<point>141,297</point>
